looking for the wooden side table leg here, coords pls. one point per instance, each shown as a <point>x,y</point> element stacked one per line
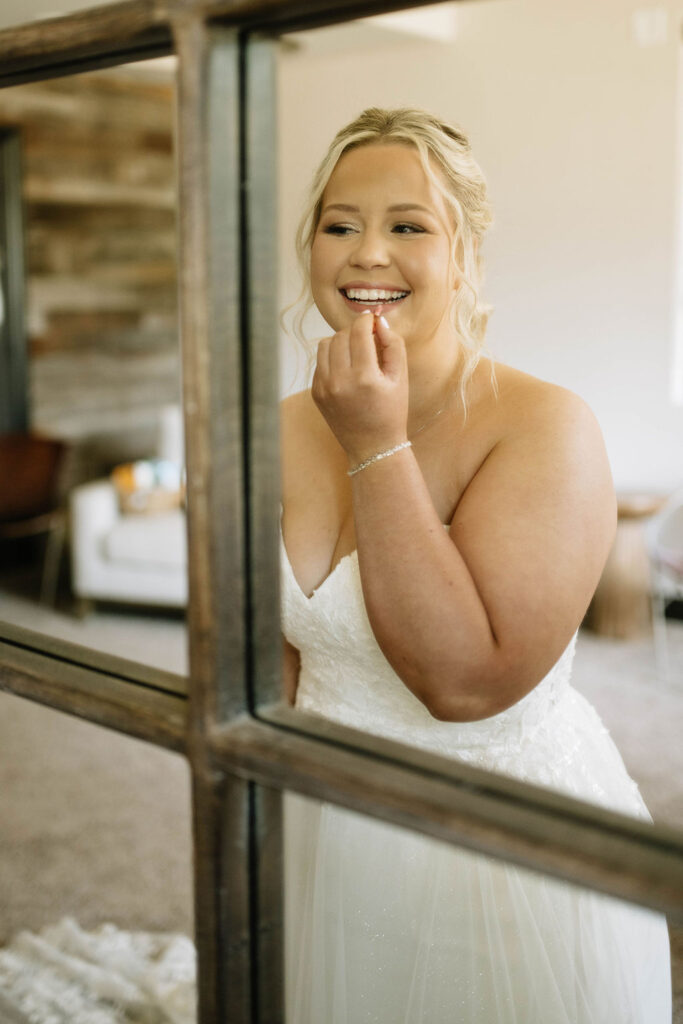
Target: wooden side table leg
<point>622,604</point>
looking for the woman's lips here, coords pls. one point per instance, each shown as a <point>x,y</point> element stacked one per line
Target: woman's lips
<point>378,306</point>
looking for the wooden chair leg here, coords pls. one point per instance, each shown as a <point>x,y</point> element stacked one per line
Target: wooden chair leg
<point>660,637</point>
<point>83,607</point>
<point>53,559</point>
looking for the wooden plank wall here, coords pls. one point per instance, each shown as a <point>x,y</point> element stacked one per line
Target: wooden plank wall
<point>100,212</point>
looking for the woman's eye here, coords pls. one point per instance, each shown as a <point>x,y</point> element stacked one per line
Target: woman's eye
<point>408,229</point>
<point>338,229</point>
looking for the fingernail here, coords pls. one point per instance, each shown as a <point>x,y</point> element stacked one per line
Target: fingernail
<point>383,321</point>
<point>366,311</point>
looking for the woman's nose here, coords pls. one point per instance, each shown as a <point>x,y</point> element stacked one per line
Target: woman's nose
<point>370,251</point>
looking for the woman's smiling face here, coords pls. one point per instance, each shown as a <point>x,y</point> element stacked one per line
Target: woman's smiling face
<point>383,242</point>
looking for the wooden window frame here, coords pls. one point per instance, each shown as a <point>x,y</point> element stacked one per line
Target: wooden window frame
<point>243,745</point>
<point>13,371</point>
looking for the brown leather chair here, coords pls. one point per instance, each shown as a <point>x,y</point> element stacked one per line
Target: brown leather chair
<point>30,497</point>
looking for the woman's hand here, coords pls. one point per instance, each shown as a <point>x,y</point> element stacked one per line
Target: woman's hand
<point>361,387</point>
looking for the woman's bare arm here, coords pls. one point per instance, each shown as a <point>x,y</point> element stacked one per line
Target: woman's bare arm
<point>472,619</point>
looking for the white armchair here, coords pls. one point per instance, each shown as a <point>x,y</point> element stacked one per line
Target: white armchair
<point>137,559</point>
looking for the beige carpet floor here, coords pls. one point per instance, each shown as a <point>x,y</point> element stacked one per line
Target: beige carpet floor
<point>95,825</point>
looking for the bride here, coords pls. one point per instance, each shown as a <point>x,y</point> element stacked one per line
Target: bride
<point>444,526</point>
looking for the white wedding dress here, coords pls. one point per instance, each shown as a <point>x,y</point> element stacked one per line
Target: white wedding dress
<point>391,927</point>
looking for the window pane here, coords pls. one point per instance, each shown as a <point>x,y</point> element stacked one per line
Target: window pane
<point>92,530</point>
<point>564,273</point>
<point>96,848</point>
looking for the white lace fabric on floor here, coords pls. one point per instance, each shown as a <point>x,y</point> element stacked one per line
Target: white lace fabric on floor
<point>65,975</point>
<point>385,926</point>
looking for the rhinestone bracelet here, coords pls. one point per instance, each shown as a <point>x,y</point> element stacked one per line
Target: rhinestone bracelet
<point>378,456</point>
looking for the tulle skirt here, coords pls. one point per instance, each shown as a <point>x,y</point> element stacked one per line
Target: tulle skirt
<point>387,926</point>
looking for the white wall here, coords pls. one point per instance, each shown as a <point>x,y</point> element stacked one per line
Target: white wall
<point>574,124</point>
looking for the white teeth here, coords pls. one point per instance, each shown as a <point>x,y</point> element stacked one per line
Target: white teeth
<point>373,294</point>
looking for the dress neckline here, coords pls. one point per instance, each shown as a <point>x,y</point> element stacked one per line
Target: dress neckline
<point>349,556</point>
<point>331,573</point>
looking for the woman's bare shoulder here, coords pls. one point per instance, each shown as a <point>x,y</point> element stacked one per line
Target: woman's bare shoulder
<point>295,418</point>
<point>548,442</point>
<point>307,444</point>
<point>301,423</point>
<point>525,403</point>
<point>547,439</point>
<point>297,407</point>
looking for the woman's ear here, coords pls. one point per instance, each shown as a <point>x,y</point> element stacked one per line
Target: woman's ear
<point>458,274</point>
<point>457,277</point>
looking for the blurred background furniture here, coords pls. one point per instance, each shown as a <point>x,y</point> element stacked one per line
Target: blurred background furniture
<point>134,558</point>
<point>665,548</point>
<point>31,500</point>
<point>621,605</point>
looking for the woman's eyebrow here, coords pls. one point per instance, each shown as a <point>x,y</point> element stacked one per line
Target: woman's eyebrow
<point>345,207</point>
<point>396,208</point>
<point>404,207</point>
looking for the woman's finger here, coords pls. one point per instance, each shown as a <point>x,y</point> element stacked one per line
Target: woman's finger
<point>362,346</point>
<point>392,350</point>
<point>340,356</point>
<point>323,359</point>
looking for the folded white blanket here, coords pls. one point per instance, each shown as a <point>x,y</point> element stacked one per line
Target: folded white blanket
<point>65,975</point>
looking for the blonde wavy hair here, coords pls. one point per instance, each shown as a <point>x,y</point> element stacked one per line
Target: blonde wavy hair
<point>441,148</point>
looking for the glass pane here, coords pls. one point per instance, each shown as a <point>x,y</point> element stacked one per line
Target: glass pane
<point>579,271</point>
<point>385,925</point>
<point>92,527</point>
<point>96,848</point>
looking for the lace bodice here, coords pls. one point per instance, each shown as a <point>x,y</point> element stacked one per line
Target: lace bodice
<point>345,676</point>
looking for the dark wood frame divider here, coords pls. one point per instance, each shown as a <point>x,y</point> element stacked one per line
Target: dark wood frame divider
<point>13,371</point>
<point>244,746</point>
